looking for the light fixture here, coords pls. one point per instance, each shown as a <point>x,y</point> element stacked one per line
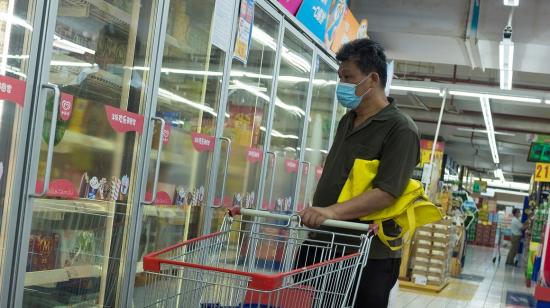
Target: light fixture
<point>499,175</point>
<point>415,89</point>
<point>511,2</point>
<point>467,129</point>
<point>70,46</point>
<point>547,101</point>
<point>506,63</point>
<point>71,63</point>
<point>488,118</point>
<point>497,97</point>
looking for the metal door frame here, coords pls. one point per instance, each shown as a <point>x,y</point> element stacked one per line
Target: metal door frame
<point>266,6</point>
<point>220,122</point>
<point>35,94</point>
<point>15,221</point>
<point>125,298</point>
<point>310,45</point>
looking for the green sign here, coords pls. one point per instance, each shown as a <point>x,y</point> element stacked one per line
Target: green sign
<point>539,153</point>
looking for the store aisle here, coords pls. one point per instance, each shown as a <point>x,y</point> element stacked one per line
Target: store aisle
<point>484,285</point>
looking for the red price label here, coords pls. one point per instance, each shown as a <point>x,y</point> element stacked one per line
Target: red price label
<point>12,90</point>
<point>66,106</point>
<point>291,165</point>
<point>202,142</point>
<point>254,155</point>
<point>124,121</point>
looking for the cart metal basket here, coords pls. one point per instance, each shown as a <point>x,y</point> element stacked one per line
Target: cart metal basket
<point>259,260</point>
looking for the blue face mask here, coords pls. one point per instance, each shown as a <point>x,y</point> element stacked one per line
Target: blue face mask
<point>345,92</point>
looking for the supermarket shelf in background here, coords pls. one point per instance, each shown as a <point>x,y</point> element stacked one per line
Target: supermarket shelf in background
<point>82,206</point>
<point>60,275</point>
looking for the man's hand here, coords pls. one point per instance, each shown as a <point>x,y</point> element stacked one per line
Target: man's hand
<point>313,217</point>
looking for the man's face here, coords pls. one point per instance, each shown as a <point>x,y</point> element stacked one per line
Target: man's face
<point>349,72</point>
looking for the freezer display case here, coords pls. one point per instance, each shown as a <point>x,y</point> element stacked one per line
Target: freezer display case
<point>87,172</point>
<point>249,100</point>
<point>319,129</point>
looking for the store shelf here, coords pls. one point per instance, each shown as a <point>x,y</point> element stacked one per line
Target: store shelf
<point>82,206</point>
<point>164,211</point>
<point>60,275</point>
<point>101,10</point>
<point>92,142</point>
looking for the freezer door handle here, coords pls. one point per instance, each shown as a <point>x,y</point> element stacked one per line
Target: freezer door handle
<point>226,165</point>
<point>308,164</point>
<point>51,140</point>
<point>157,164</point>
<point>273,172</point>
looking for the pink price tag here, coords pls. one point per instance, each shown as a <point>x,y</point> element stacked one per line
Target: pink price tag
<point>66,106</point>
<point>291,165</point>
<point>163,198</point>
<point>254,155</point>
<point>202,142</point>
<point>12,90</point>
<point>166,133</point>
<point>59,188</point>
<point>318,172</point>
<point>124,121</point>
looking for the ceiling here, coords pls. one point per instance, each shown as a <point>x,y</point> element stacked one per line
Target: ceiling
<point>433,44</point>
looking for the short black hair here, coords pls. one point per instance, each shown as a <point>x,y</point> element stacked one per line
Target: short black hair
<point>515,211</point>
<point>368,55</point>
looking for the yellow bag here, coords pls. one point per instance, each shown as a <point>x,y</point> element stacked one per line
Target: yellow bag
<point>413,209</point>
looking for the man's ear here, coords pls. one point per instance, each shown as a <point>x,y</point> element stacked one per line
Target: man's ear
<point>374,80</point>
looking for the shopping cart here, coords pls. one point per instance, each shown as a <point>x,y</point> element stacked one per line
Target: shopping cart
<point>259,260</point>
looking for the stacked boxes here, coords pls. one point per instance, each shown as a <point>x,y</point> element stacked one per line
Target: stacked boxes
<point>433,253</point>
<point>486,234</point>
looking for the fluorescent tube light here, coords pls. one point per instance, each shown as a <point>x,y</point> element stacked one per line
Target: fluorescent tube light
<point>515,98</point>
<point>497,97</point>
<point>71,63</point>
<point>415,89</point>
<point>488,118</point>
<point>466,129</point>
<point>506,63</point>
<point>511,2</point>
<point>499,175</point>
<point>70,46</point>
<point>547,101</point>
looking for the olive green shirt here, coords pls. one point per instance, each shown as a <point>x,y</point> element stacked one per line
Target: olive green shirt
<point>391,137</point>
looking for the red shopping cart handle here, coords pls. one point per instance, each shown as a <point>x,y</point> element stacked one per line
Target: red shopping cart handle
<point>329,222</point>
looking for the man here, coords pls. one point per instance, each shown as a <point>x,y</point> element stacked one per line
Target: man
<point>516,228</point>
<point>373,129</point>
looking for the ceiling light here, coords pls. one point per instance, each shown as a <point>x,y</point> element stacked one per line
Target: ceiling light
<point>547,101</point>
<point>511,2</point>
<point>515,98</point>
<point>466,129</point>
<point>497,97</point>
<point>415,89</point>
<point>70,46</point>
<point>499,175</point>
<point>506,63</point>
<point>488,118</point>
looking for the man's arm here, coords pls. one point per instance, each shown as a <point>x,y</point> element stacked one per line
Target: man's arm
<point>398,159</point>
<point>366,203</point>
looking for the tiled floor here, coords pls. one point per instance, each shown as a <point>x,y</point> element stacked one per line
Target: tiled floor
<point>489,293</point>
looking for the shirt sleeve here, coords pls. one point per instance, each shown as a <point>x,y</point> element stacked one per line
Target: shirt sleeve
<point>398,159</point>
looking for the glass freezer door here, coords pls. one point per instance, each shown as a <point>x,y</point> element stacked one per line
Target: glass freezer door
<point>92,128</point>
<point>189,94</point>
<point>16,32</point>
<point>250,89</point>
<point>288,123</point>
<point>319,129</point>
